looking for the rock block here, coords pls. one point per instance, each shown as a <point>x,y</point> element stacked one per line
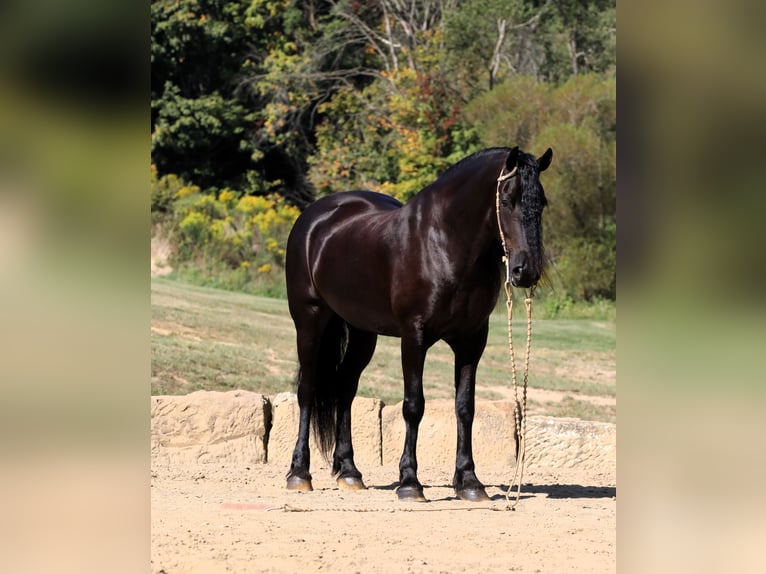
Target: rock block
<point>552,442</point>
<point>365,433</point>
<point>493,433</point>
<point>207,427</point>
<point>571,443</point>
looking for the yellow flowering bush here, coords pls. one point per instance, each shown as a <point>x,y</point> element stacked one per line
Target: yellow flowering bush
<point>194,225</point>
<point>227,197</point>
<point>273,226</point>
<point>184,191</point>
<point>252,204</point>
<point>224,239</point>
<point>165,191</point>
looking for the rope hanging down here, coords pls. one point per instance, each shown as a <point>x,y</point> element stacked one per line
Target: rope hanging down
<point>520,409</point>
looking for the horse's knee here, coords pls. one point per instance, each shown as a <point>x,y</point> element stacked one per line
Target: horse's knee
<point>464,410</point>
<point>413,409</point>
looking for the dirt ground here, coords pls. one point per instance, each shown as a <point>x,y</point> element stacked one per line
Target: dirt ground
<point>233,518</point>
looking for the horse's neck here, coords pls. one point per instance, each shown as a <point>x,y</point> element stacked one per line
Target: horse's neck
<point>471,207</point>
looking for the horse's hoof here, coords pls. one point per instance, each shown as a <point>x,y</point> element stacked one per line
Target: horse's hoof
<point>411,494</point>
<point>350,483</point>
<point>298,483</point>
<point>473,494</point>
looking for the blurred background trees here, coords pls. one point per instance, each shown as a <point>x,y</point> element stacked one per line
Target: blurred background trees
<point>290,100</point>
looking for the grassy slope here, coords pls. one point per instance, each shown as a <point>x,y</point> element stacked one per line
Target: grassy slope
<point>204,338</point>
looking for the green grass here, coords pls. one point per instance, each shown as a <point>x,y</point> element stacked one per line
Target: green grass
<point>571,407</point>
<point>205,338</point>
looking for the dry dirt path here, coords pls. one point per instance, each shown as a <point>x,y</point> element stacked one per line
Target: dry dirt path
<point>219,518</point>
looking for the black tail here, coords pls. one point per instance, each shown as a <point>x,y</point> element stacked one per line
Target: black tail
<point>332,349</point>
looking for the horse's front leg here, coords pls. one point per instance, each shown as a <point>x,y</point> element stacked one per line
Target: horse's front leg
<point>467,354</point>
<point>413,359</point>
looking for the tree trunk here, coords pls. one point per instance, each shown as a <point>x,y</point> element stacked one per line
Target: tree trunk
<point>494,66</point>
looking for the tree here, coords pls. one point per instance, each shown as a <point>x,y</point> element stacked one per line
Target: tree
<point>200,129</point>
<point>494,38</point>
<point>578,37</point>
<point>396,135</point>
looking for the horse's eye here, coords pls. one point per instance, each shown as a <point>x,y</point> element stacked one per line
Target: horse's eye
<point>505,202</point>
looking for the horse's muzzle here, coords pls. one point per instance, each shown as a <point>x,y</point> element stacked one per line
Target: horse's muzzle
<point>522,274</point>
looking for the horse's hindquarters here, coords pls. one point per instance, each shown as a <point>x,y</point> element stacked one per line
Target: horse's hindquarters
<point>342,256</point>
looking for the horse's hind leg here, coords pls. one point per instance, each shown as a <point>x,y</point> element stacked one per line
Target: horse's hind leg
<point>361,346</point>
<point>309,328</point>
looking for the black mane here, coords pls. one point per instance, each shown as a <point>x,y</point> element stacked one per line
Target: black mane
<point>469,160</point>
<point>525,159</point>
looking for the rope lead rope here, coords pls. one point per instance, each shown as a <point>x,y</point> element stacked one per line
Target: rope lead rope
<point>520,409</point>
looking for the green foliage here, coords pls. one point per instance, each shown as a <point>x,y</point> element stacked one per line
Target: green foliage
<point>165,190</point>
<point>205,139</point>
<point>556,302</point>
<point>199,46</point>
<point>230,241</point>
<point>587,268</point>
<point>512,113</point>
<point>521,107</point>
<point>555,305</point>
<point>395,137</point>
<point>577,37</point>
<point>353,142</point>
<point>482,35</point>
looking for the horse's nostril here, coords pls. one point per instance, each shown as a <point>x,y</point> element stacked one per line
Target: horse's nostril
<point>517,271</point>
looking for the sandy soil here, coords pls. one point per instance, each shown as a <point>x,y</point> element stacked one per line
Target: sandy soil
<point>160,255</point>
<point>219,518</point>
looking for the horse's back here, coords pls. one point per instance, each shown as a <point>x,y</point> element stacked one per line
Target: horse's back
<point>360,201</point>
<point>338,213</point>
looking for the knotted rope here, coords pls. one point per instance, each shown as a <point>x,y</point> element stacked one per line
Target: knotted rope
<point>520,409</point>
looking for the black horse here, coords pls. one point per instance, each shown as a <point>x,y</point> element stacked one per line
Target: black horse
<point>360,264</point>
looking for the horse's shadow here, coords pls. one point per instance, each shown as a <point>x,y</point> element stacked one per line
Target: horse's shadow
<point>569,491</point>
<point>564,490</point>
<point>392,486</point>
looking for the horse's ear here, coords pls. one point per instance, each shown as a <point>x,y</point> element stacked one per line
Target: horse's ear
<point>545,160</point>
<point>513,157</point>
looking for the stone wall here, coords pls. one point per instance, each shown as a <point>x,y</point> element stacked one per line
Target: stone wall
<point>246,427</point>
<point>365,432</point>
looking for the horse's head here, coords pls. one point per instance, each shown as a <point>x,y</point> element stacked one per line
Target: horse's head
<point>520,209</point>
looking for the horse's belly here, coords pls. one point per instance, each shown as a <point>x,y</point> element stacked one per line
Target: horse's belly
<point>368,321</point>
